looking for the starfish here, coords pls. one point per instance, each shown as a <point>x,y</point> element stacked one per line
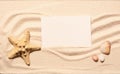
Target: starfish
<point>22,48</point>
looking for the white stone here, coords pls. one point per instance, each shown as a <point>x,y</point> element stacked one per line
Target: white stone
<point>102,57</point>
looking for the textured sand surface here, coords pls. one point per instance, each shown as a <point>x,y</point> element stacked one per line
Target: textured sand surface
<point>17,16</point>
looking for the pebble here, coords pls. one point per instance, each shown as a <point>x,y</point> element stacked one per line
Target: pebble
<point>106,47</point>
<point>102,58</point>
<point>95,58</point>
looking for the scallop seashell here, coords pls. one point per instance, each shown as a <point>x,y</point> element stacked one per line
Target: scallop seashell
<point>95,58</point>
<point>106,47</point>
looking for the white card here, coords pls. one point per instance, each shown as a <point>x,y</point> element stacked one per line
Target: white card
<point>66,31</point>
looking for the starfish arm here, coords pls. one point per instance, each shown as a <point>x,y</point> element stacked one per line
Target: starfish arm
<point>26,37</point>
<point>27,34</point>
<point>26,57</point>
<point>12,40</point>
<point>13,53</point>
<point>32,47</point>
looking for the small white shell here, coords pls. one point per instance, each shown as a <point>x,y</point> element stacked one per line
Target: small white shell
<point>102,58</point>
<point>105,47</point>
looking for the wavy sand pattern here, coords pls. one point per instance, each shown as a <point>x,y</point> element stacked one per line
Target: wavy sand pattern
<point>32,17</point>
<point>111,32</point>
<point>14,24</point>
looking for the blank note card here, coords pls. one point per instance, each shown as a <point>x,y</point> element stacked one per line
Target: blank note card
<point>66,31</point>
